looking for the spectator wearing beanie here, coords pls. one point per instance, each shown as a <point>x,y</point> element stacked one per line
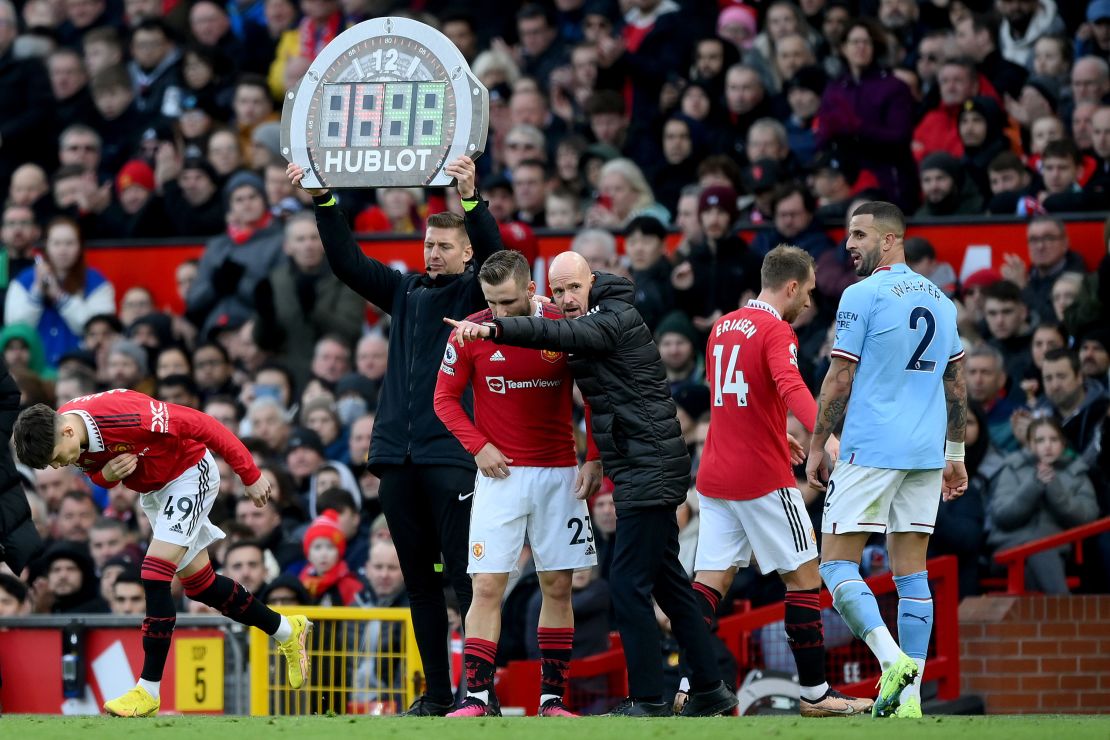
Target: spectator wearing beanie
<point>193,205</point>
<point>760,178</point>
<point>678,348</point>
<point>234,263</point>
<point>982,124</point>
<point>738,24</point>
<point>945,190</point>
<point>720,269</point>
<point>137,210</point>
<point>326,576</point>
<point>973,297</point>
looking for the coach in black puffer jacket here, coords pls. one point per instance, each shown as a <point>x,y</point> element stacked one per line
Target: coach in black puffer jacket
<point>617,367</point>
<point>616,364</point>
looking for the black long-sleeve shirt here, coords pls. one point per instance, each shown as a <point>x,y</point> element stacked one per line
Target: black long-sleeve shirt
<point>406,426</point>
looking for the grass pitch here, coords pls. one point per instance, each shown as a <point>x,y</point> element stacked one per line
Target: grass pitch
<point>1031,727</point>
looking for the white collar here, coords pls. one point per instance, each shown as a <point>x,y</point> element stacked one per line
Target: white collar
<point>96,439</point>
<point>761,306</point>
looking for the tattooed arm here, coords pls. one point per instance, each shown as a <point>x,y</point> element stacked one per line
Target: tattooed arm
<point>955,395</point>
<point>832,404</point>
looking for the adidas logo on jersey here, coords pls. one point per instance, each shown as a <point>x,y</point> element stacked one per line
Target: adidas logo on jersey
<point>497,357</point>
<point>590,550</point>
<point>176,528</point>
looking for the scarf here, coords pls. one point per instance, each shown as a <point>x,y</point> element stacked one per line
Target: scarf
<point>315,36</point>
<point>241,234</point>
<point>319,584</point>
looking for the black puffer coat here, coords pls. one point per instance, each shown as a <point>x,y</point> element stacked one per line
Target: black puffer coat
<point>19,540</point>
<point>617,367</point>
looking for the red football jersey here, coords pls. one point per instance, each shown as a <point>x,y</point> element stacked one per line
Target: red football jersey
<point>169,439</point>
<point>751,363</point>
<point>522,398</point>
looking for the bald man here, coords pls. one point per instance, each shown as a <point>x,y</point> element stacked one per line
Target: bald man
<point>617,367</point>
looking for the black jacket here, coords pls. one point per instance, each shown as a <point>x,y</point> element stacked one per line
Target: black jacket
<point>617,367</point>
<point>720,277</point>
<point>406,425</point>
<point>26,106</point>
<point>19,540</point>
<point>654,294</point>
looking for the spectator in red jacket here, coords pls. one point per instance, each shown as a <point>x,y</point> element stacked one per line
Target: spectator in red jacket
<point>938,130</point>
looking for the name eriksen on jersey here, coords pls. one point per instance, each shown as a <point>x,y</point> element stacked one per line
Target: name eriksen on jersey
<point>744,326</point>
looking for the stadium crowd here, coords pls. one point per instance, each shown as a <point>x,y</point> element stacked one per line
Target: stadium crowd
<point>144,118</point>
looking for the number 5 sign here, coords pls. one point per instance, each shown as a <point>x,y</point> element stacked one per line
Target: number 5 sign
<point>199,674</point>
<point>388,103</point>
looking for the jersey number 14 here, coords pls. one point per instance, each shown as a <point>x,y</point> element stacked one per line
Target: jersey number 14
<point>733,380</point>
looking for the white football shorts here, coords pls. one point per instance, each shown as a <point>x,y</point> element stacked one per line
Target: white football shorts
<point>864,499</point>
<point>775,528</point>
<point>533,502</point>
<point>178,513</point>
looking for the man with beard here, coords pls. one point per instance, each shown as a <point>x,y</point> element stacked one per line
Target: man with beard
<point>900,17</point>
<point>898,396</point>
<point>1094,356</point>
<point>18,234</point>
<point>71,581</point>
<point>191,196</point>
<point>1078,402</point>
<point>946,190</point>
<point>1023,22</point>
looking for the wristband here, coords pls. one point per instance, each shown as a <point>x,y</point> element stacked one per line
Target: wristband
<point>329,202</point>
<point>953,451</point>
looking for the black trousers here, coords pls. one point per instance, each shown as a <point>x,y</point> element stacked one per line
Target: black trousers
<point>645,564</point>
<point>428,511</point>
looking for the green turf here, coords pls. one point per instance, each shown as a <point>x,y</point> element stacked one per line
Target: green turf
<point>1037,727</point>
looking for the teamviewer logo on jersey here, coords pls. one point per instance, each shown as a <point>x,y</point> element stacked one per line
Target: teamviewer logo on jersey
<point>496,384</point>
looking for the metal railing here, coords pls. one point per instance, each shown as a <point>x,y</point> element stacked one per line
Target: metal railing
<point>363,661</point>
<point>1013,558</point>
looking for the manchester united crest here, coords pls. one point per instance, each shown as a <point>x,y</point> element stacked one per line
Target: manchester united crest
<point>478,549</point>
<point>550,355</point>
<point>122,447</point>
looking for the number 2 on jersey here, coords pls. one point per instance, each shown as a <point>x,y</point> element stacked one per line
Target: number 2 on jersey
<point>916,363</point>
<point>733,378</point>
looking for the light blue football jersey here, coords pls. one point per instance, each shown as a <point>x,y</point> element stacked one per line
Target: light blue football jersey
<point>901,330</point>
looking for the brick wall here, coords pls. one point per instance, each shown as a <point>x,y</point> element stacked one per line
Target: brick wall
<point>1037,654</point>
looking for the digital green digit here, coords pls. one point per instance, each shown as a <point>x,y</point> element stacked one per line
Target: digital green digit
<point>429,113</point>
<point>397,115</point>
